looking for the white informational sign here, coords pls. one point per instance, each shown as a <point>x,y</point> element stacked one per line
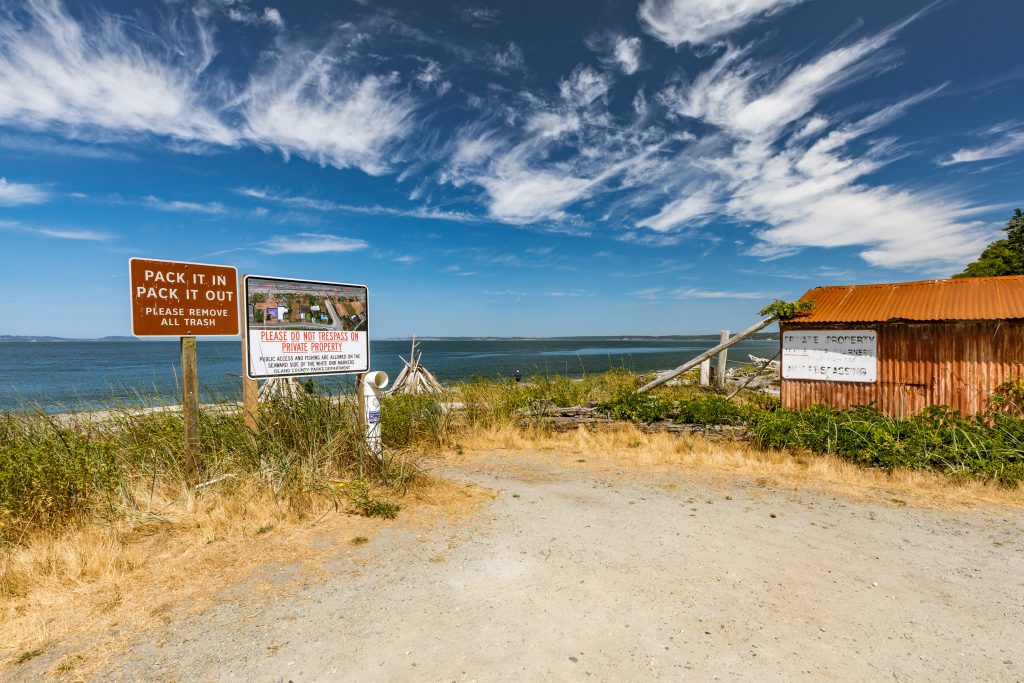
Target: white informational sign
<point>297,328</point>
<point>830,355</point>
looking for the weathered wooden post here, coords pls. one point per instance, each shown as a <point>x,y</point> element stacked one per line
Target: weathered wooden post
<point>250,387</point>
<point>190,402</point>
<point>675,372</point>
<point>184,300</point>
<point>705,372</point>
<point>723,359</point>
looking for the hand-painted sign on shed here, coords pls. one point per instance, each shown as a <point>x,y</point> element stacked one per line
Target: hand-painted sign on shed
<point>299,327</point>
<point>830,355</point>
<point>179,299</point>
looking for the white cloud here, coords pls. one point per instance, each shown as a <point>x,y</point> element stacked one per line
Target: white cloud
<point>13,194</point>
<point>70,234</point>
<point>317,204</point>
<point>509,59</point>
<point>627,54</point>
<point>584,86</point>
<point>801,182</point>
<point>697,293</point>
<point>310,243</point>
<point>651,293</point>
<point>680,212</point>
<point>480,17</point>
<point>521,195</point>
<point>212,208</point>
<point>407,259</point>
<point>302,105</point>
<point>103,78</point>
<point>697,22</point>
<point>1009,140</point>
<point>616,50</point>
<point>58,232</point>
<point>54,72</point>
<point>273,17</point>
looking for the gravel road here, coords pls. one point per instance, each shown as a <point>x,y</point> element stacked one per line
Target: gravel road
<point>574,573</point>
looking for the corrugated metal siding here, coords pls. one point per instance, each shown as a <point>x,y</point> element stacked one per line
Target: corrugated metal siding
<point>922,364</point>
<point>986,298</point>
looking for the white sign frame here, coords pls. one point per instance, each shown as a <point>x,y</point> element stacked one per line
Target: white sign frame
<point>255,346</point>
<point>830,355</point>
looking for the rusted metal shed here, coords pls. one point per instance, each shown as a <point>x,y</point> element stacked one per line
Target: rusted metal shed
<point>904,346</point>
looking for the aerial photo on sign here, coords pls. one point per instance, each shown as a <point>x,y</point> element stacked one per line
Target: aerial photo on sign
<point>830,355</point>
<point>301,327</point>
<point>176,298</point>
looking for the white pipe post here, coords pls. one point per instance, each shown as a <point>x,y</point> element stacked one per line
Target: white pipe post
<point>373,385</point>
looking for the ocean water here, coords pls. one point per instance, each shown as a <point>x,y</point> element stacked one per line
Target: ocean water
<point>60,376</point>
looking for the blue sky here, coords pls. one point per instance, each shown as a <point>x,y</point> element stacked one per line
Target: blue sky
<point>488,168</point>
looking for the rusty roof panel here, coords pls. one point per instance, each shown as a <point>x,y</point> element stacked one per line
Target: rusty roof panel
<point>984,298</point>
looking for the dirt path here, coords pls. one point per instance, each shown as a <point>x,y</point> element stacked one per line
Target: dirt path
<point>574,573</point>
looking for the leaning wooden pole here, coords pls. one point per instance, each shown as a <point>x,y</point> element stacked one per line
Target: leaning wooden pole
<point>666,376</point>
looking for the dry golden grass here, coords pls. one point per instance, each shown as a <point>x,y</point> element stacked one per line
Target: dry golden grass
<point>73,588</point>
<point>626,446</point>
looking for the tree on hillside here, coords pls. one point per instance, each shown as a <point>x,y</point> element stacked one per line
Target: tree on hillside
<point>1002,257</point>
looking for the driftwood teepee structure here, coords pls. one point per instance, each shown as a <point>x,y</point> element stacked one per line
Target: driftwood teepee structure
<point>287,388</point>
<point>414,378</point>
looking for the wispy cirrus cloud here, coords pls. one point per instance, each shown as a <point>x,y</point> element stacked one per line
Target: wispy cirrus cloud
<point>617,50</point>
<point>325,205</point>
<point>772,160</point>
<point>310,243</point>
<point>13,194</point>
<point>58,232</point>
<point>180,206</point>
<point>698,293</point>
<point>517,168</point>
<point>1005,139</point>
<point>650,293</point>
<point>480,17</point>
<point>675,22</point>
<point>104,77</point>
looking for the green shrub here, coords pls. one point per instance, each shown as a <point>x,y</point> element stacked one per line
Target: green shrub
<point>787,310</point>
<point>985,447</point>
<point>49,474</point>
<point>408,420</point>
<point>709,409</point>
<point>646,407</point>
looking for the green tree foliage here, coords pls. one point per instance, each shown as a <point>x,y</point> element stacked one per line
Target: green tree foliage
<point>787,310</point>
<point>1002,257</point>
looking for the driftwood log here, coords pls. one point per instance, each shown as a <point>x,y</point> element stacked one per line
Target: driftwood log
<point>675,372</point>
<point>567,419</point>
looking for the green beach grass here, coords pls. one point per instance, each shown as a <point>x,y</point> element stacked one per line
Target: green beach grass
<point>59,471</point>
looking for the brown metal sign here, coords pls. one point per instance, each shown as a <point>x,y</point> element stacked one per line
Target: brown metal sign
<point>173,298</point>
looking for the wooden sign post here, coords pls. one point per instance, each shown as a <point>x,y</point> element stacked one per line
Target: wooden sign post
<point>190,401</point>
<point>250,387</point>
<point>185,300</point>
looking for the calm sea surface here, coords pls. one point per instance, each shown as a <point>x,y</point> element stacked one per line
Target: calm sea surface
<point>61,376</point>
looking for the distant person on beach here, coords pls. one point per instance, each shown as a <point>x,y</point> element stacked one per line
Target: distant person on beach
<point>519,376</point>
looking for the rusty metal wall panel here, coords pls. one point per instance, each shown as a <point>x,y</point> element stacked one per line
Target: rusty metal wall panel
<point>986,298</point>
<point>922,364</point>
